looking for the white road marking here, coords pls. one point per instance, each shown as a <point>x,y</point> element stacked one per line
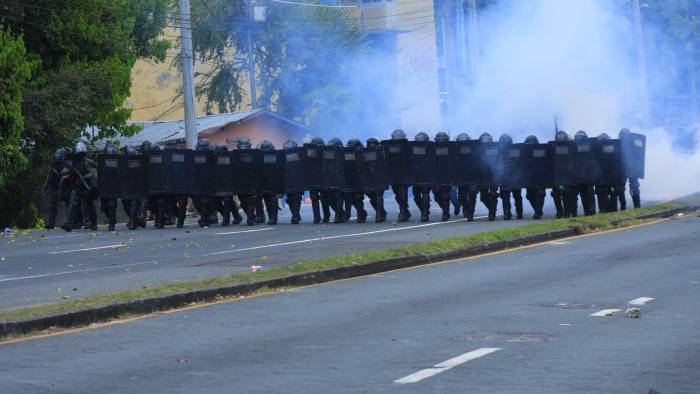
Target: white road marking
<point>640,301</point>
<point>606,312</point>
<point>60,236</point>
<point>76,271</point>
<point>246,231</point>
<point>446,365</point>
<point>336,237</point>
<point>88,249</point>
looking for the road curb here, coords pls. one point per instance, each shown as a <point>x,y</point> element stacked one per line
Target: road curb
<point>161,303</point>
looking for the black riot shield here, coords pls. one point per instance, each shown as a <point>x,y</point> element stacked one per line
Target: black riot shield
<point>109,177</point>
<point>352,169</point>
<point>513,175</point>
<point>314,165</point>
<point>421,158</point>
<point>373,171</point>
<point>445,163</point>
<point>633,153</point>
<point>397,161</point>
<point>202,181</point>
<point>564,163</point>
<point>223,173</point>
<point>169,171</point>
<point>272,169</point>
<point>296,176</point>
<point>333,168</point>
<point>467,169</point>
<point>247,170</point>
<point>609,156</point>
<point>491,163</point>
<point>587,169</point>
<point>134,177</point>
<point>537,166</point>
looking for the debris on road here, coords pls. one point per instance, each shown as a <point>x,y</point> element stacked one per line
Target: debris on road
<point>254,268</point>
<point>634,313</point>
<point>6,230</point>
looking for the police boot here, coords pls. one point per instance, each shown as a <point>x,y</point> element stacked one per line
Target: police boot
<point>380,214</point>
<point>347,210</point>
<point>272,208</point>
<point>316,208</point>
<point>295,207</point>
<point>505,198</point>
<point>225,213</point>
<point>425,210</point>
<point>445,205</point>
<point>235,212</point>
<point>636,200</point>
<point>360,208</point>
<point>134,210</point>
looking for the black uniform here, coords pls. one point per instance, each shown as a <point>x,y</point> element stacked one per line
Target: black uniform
<point>535,195</point>
<point>319,198</point>
<point>353,196</point>
<point>336,198</point>
<point>108,205</point>
<point>294,197</point>
<point>466,191</point>
<point>442,193</point>
<point>270,199</point>
<point>223,201</point>
<point>53,185</point>
<point>633,182</point>
<point>81,174</point>
<point>421,194</point>
<point>489,193</point>
<point>564,195</point>
<point>507,190</point>
<point>376,197</point>
<point>400,189</point>
<point>583,189</point>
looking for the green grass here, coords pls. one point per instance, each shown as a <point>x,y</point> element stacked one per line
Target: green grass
<point>581,225</point>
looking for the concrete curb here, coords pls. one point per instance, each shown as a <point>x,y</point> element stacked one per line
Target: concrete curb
<point>143,306</point>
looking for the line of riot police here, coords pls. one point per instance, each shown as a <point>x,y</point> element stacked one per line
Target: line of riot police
<point>160,180</point>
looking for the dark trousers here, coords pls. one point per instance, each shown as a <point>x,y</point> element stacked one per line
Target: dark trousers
<point>165,206</point>
<point>294,202</point>
<point>466,195</point>
<point>109,208</point>
<point>603,194</point>
<point>376,199</point>
<point>536,199</point>
<point>79,200</point>
<point>489,196</point>
<point>442,197</point>
<point>401,195</point>
<point>54,197</point>
<point>135,210</point>
<point>421,196</point>
<point>505,194</point>
<point>585,190</point>
<point>355,199</point>
<point>318,203</point>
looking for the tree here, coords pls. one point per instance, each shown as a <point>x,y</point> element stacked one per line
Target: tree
<point>83,51</point>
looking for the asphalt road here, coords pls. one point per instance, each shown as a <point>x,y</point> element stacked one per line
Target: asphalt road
<point>50,266</point>
<point>525,321</point>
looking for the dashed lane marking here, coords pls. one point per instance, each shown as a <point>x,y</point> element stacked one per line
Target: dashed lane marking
<point>640,301</point>
<point>606,312</point>
<point>75,271</point>
<point>447,365</point>
<point>89,249</point>
<point>246,231</point>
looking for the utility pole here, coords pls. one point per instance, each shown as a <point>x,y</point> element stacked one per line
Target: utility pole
<point>689,52</point>
<point>251,57</point>
<point>641,64</point>
<point>187,56</point>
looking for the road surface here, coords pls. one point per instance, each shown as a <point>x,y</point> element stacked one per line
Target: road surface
<point>532,320</point>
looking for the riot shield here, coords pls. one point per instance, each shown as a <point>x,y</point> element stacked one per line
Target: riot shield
<point>223,173</point>
<point>513,175</point>
<point>633,153</point>
<point>609,156</point>
<point>587,169</point>
<point>421,157</point>
<point>134,177</point>
<point>314,165</point>
<point>373,172</point>
<point>202,180</point>
<point>333,168</point>
<point>169,171</point>
<point>537,166</point>
<point>247,171</point>
<point>564,163</point>
<point>296,176</point>
<point>445,163</point>
<point>351,169</point>
<point>109,177</point>
<point>491,163</point>
<point>272,181</point>
<point>397,161</point>
<point>468,171</point>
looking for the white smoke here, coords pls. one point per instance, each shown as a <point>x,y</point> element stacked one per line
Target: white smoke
<point>669,173</point>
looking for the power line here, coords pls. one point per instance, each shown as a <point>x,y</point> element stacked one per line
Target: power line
<point>314,5</point>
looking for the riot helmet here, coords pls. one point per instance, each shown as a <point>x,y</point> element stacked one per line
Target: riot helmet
<point>398,134</point>
<point>372,142</point>
<point>442,137</point>
<point>463,137</point>
<point>129,150</point>
<point>146,146</point>
<point>220,148</point>
<point>531,139</point>
<point>603,136</point>
<point>335,141</point>
<point>580,136</point>
<point>354,143</point>
<point>505,139</point>
<point>266,145</point>
<point>80,149</point>
<point>289,144</point>
<point>110,149</point>
<point>561,136</point>
<point>317,140</point>
<point>244,143</point>
<point>59,155</point>
<point>422,137</point>
<point>485,138</point>
<point>203,144</point>
<point>625,132</point>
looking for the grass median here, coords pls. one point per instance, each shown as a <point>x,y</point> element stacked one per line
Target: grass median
<point>582,225</point>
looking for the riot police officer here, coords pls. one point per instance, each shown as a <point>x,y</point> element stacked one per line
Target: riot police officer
<point>247,200</point>
<point>203,203</point>
<point>134,208</point>
<point>320,199</point>
<point>604,192</point>
<point>293,198</point>
<point>505,191</point>
<point>421,195</point>
<point>535,195</point>
<point>225,204</point>
<point>376,198</point>
<point>585,190</point>
<point>401,191</point>
<point>488,194</point>
<point>355,197</point>
<point>633,182</point>
<point>563,194</point>
<point>270,199</point>
<point>336,197</point>
<point>53,183</point>
<point>81,175</point>
<point>466,193</point>
<point>442,193</point>
<point>109,205</point>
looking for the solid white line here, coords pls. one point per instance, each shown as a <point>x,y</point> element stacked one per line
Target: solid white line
<point>606,312</point>
<point>336,237</point>
<point>246,231</point>
<point>61,236</point>
<point>640,301</point>
<point>88,249</point>
<point>446,365</point>
<point>75,272</point>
